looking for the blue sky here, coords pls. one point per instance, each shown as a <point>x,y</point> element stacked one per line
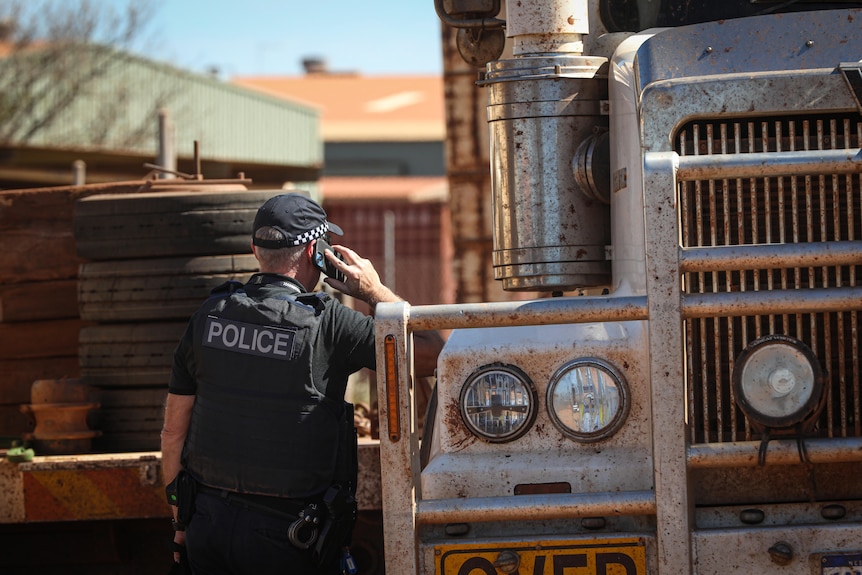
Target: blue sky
<point>271,37</point>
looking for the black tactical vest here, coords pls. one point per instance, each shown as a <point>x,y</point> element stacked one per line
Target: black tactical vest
<point>258,424</point>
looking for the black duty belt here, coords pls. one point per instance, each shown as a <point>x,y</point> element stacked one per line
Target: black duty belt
<point>277,506</point>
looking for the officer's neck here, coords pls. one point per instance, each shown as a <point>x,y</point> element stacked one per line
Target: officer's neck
<point>304,272</point>
<point>273,278</point>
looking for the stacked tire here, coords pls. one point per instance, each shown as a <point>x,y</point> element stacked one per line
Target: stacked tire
<point>150,260</point>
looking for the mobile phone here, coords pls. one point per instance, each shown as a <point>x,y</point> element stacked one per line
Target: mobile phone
<point>323,264</point>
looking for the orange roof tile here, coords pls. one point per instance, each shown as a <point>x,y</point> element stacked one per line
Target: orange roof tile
<point>411,189</point>
<point>365,108</point>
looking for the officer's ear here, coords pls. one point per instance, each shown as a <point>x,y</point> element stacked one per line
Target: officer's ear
<point>309,250</point>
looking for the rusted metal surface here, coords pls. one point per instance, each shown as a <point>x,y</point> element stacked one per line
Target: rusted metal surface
<point>11,493</point>
<point>64,495</point>
<point>715,211</point>
<point>781,452</point>
<point>468,469</point>
<point>767,486</point>
<point>739,46</point>
<point>117,486</point>
<point>463,466</point>
<point>675,501</point>
<point>543,103</point>
<point>746,550</point>
<point>655,353</point>
<point>812,513</point>
<point>762,256</point>
<point>549,26</point>
<point>764,164</point>
<point>732,304</point>
<point>549,234</point>
<point>535,507</point>
<point>60,408</point>
<point>70,488</point>
<point>61,427</point>
<point>791,225</point>
<point>446,11</point>
<point>807,92</point>
<point>398,458</point>
<point>534,312</point>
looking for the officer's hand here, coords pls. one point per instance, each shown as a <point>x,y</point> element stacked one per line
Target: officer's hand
<point>361,279</point>
<point>179,540</point>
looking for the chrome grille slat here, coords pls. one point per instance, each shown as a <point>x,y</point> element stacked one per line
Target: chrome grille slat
<point>805,207</point>
<point>740,232</point>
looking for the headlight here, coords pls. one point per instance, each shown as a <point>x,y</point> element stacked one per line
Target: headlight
<point>778,381</point>
<point>498,403</point>
<point>588,399</point>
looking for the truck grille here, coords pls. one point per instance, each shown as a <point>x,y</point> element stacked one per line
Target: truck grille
<point>770,210</point>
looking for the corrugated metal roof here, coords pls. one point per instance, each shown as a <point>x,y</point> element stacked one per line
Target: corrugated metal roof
<point>119,112</point>
<point>359,108</point>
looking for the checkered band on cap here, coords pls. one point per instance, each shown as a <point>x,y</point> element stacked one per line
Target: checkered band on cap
<point>311,234</point>
<point>299,218</point>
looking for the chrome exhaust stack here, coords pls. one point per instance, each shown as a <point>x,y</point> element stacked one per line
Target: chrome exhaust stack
<point>547,112</point>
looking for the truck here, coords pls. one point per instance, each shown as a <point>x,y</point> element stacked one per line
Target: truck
<point>681,182</point>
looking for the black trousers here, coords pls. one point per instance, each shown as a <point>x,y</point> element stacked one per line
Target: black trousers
<point>228,539</point>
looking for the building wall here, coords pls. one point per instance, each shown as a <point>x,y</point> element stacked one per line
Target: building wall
<point>384,159</point>
<point>420,241</point>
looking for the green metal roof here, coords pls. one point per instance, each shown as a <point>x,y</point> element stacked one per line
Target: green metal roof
<point>117,111</point>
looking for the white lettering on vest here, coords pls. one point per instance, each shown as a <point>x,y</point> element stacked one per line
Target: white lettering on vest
<point>264,347</point>
<point>264,341</point>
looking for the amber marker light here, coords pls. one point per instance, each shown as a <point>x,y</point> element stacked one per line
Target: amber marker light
<point>393,415</point>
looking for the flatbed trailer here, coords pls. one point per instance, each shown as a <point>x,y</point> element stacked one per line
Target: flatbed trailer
<point>108,511</point>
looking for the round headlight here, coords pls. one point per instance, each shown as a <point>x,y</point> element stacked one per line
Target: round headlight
<point>498,403</point>
<point>778,381</point>
<point>588,399</point>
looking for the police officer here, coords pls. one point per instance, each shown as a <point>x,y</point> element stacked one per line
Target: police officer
<point>255,412</point>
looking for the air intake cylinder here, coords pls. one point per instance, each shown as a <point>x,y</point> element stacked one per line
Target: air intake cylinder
<point>549,234</point>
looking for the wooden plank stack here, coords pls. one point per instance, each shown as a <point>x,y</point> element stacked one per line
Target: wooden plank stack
<point>39,321</point>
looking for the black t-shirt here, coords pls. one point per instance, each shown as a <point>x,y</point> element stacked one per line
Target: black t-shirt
<point>345,342</point>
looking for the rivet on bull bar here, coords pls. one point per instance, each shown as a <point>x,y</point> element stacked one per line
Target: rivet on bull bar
<point>549,233</point>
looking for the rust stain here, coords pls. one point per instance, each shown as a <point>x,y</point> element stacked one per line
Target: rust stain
<point>90,494</point>
<point>452,417</point>
<point>40,503</point>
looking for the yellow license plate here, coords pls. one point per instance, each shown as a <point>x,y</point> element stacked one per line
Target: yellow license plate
<point>591,557</point>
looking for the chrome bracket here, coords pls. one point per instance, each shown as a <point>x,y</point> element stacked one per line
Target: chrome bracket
<point>852,72</point>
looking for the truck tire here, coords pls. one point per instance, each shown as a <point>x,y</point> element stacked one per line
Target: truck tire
<point>126,442</point>
<point>161,224</point>
<point>130,419</point>
<point>154,289</point>
<point>128,355</point>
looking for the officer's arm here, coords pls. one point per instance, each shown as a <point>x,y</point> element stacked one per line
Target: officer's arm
<point>363,282</point>
<point>361,279</point>
<point>178,414</point>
